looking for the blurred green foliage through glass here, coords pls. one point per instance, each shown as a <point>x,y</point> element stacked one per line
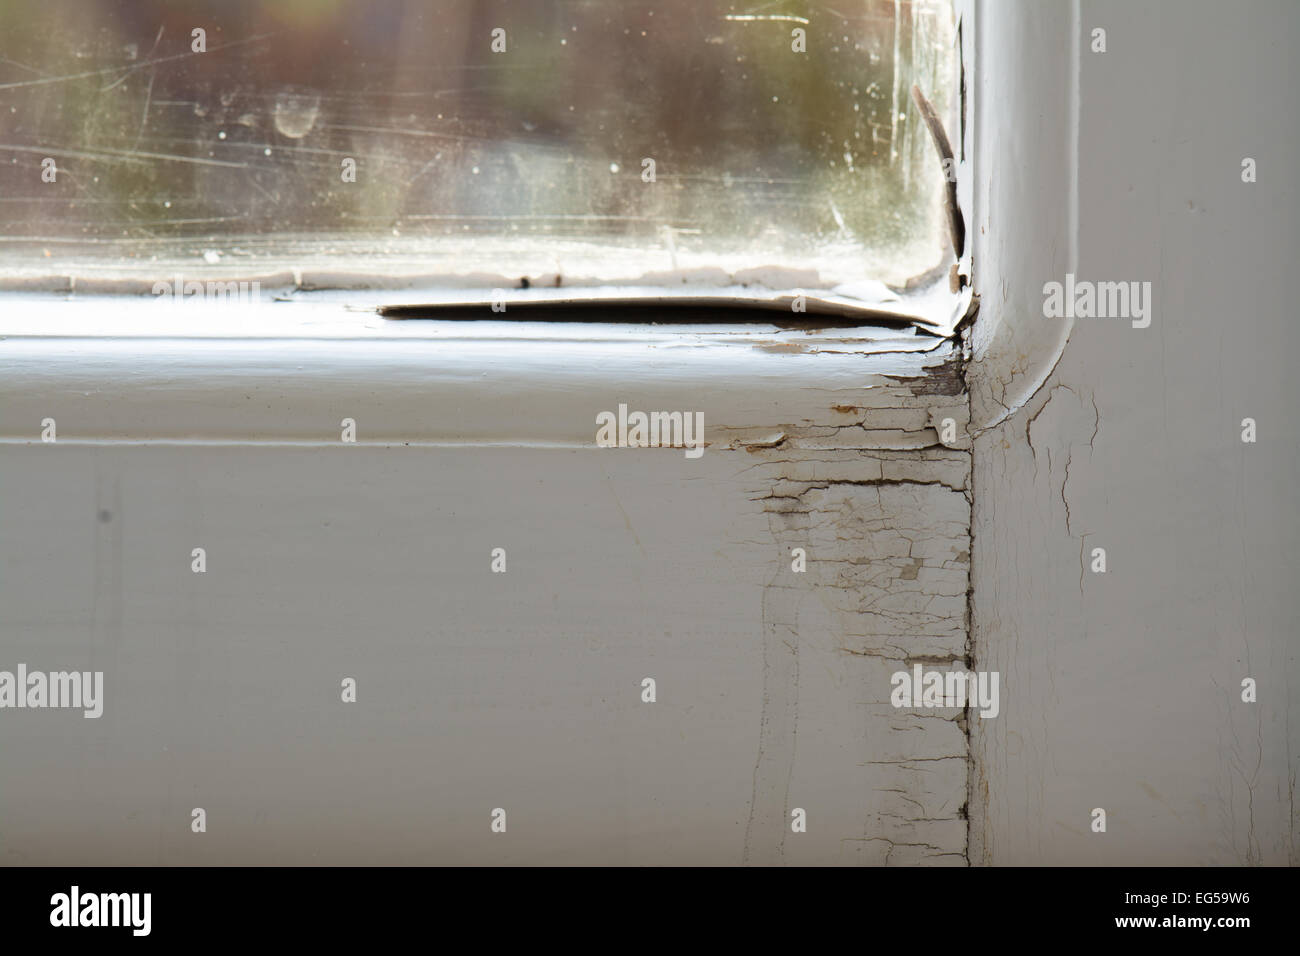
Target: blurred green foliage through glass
<point>531,158</point>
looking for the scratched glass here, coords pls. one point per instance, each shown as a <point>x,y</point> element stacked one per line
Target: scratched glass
<point>535,158</point>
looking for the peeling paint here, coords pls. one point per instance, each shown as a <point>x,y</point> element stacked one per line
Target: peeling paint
<point>883,511</point>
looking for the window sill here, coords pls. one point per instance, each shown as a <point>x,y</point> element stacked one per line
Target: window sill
<point>290,372</point>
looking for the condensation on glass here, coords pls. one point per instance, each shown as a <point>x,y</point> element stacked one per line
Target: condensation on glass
<point>611,138</point>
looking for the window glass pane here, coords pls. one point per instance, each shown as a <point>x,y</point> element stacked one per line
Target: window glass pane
<point>590,137</point>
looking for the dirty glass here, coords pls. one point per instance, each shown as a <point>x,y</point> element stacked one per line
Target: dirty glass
<point>601,137</point>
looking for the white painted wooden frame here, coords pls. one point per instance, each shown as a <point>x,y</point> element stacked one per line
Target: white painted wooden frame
<point>329,560</point>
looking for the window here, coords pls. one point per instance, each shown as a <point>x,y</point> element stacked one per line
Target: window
<point>553,142</point>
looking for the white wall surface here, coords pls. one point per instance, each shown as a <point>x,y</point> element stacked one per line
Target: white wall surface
<point>1123,689</point>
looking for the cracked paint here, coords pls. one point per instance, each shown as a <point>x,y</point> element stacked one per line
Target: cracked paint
<point>883,511</point>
